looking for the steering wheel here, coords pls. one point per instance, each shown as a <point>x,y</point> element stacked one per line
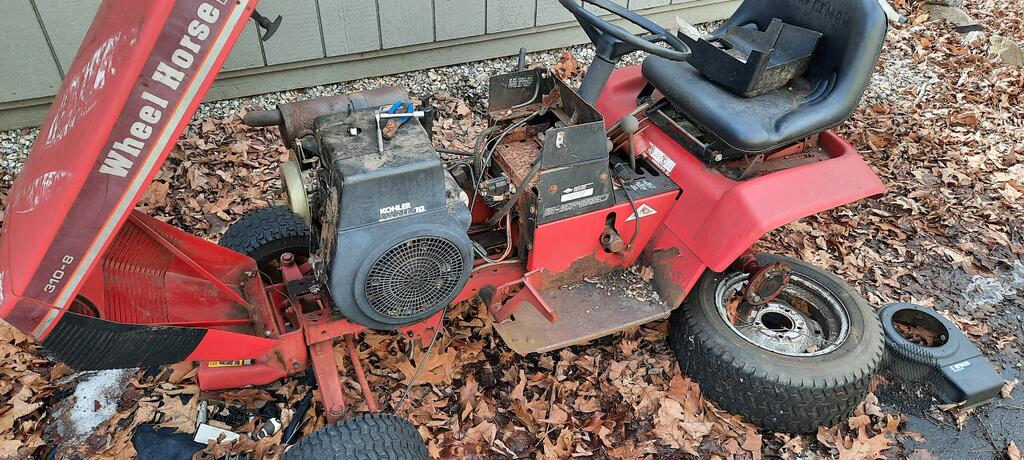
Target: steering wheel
<point>613,41</point>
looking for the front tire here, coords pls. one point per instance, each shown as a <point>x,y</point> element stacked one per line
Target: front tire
<point>365,437</point>
<point>793,390</point>
<point>265,234</point>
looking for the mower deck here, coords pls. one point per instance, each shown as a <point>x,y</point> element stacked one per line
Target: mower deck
<point>586,311</point>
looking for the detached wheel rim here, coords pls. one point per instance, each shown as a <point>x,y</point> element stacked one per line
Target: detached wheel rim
<point>805,320</point>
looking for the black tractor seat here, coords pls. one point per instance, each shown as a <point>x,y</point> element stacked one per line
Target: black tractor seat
<point>839,72</point>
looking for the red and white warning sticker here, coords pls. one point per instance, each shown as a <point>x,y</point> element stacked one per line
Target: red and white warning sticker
<point>666,164</point>
<point>641,212</point>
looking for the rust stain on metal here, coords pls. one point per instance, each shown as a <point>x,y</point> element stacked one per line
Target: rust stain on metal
<point>668,289</point>
<point>517,159</point>
<point>519,135</point>
<point>552,99</point>
<point>767,283</point>
<point>584,267</point>
<point>390,129</point>
<point>297,117</point>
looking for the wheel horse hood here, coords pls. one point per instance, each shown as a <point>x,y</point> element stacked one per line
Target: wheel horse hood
<point>140,73</point>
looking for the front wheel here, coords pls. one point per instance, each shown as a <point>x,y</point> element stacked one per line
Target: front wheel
<point>800,361</point>
<point>364,437</point>
<point>265,234</point>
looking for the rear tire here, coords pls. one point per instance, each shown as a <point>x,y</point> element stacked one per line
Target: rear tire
<point>776,391</point>
<point>366,437</point>
<point>267,233</point>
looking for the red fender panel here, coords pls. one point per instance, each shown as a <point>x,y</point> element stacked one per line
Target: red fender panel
<point>746,211</point>
<point>717,219</point>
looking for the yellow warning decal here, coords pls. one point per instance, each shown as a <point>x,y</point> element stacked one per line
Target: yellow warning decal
<point>237,363</point>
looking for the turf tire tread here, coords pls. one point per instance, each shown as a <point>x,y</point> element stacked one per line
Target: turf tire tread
<point>265,231</point>
<point>773,402</point>
<point>365,437</point>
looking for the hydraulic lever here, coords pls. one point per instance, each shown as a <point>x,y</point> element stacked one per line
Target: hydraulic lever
<point>630,125</point>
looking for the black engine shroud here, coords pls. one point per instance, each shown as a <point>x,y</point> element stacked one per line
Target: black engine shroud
<point>393,225</point>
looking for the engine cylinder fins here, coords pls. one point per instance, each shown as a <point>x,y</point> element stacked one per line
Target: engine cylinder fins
<point>415,277</point>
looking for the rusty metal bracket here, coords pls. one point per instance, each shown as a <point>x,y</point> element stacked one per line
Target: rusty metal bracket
<point>767,282</point>
<point>506,300</point>
<point>767,165</point>
<point>326,369</point>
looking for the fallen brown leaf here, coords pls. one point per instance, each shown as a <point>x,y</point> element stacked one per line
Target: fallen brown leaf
<point>1008,388</point>
<point>864,447</point>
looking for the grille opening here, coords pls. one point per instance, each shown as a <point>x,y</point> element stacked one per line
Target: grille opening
<point>414,277</point>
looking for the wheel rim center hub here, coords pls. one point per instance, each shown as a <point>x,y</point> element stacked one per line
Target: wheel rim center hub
<point>780,322</point>
<point>819,326</point>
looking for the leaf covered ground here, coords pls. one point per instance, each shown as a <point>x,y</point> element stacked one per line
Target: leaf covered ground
<point>942,124</point>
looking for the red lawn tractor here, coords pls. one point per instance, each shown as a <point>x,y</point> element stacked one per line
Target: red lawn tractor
<point>680,164</point>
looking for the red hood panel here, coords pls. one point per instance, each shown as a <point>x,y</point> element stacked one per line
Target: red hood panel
<point>139,75</point>
<point>81,118</point>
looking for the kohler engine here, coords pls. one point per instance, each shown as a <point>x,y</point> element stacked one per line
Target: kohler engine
<point>392,226</point>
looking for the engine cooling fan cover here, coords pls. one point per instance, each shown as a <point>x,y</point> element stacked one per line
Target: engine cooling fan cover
<point>400,274</point>
<point>414,277</point>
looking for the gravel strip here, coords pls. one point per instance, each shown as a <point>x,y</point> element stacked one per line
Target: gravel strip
<point>14,148</point>
<point>465,81</point>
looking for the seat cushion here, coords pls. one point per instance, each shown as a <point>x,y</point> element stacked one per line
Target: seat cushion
<point>751,125</point>
<point>853,32</point>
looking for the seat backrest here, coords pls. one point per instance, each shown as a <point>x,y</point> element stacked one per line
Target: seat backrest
<point>853,35</point>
